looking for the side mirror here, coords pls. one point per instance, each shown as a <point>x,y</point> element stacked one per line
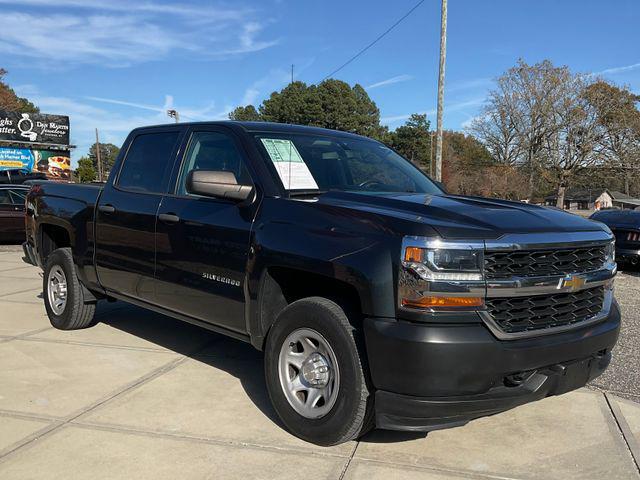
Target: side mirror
<point>218,184</point>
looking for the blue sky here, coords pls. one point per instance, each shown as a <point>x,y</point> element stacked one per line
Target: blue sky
<point>118,64</point>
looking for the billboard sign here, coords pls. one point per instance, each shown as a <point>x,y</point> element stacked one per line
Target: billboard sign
<point>55,164</point>
<point>17,159</point>
<point>34,128</point>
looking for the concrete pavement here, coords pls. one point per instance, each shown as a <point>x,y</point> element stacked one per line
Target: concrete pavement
<point>144,396</point>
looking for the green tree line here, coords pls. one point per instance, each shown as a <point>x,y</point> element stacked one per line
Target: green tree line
<point>542,130</point>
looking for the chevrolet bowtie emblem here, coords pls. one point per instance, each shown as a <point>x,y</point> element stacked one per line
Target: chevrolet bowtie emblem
<point>573,282</point>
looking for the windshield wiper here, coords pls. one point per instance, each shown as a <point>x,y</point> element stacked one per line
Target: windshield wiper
<point>306,193</point>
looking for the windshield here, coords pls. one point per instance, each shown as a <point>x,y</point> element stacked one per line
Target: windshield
<point>321,163</point>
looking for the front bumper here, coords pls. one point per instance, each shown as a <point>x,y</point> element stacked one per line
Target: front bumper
<point>431,376</point>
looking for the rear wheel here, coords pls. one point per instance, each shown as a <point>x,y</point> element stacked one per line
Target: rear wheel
<point>316,373</point>
<point>63,294</point>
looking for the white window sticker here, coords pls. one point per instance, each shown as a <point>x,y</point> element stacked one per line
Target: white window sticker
<point>294,173</point>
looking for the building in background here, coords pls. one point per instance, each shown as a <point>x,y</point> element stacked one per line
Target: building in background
<point>32,144</point>
<point>611,199</point>
<point>594,200</point>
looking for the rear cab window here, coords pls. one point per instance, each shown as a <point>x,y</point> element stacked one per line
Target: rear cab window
<point>147,162</point>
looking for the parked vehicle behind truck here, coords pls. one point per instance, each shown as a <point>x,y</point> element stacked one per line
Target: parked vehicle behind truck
<point>12,199</point>
<point>625,225</point>
<point>378,299</point>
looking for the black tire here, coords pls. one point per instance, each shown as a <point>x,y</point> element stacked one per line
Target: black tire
<point>352,414</point>
<point>77,312</point>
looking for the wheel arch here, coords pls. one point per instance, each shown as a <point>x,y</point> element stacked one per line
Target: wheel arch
<point>50,237</point>
<point>281,286</point>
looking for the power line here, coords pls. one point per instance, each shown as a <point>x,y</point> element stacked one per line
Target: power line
<point>382,35</point>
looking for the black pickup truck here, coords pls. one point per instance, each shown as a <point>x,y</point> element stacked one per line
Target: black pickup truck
<point>378,299</point>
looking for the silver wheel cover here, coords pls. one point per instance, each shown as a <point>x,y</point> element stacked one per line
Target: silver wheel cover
<point>57,289</point>
<point>309,373</point>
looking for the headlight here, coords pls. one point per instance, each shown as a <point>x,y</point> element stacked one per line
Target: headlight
<point>444,264</point>
<point>610,253</point>
<point>437,274</point>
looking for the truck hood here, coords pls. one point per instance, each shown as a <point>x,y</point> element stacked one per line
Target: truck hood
<point>454,216</point>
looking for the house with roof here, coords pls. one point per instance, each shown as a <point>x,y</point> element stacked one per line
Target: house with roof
<point>613,199</point>
<point>587,199</point>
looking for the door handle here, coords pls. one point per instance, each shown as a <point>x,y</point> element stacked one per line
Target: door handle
<point>168,218</point>
<point>107,208</point>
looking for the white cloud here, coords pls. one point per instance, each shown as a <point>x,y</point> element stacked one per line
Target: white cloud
<point>274,80</point>
<point>396,118</point>
<point>453,107</point>
<point>622,69</point>
<point>390,81</point>
<point>472,84</point>
<point>129,104</point>
<point>469,121</point>
<point>248,42</point>
<point>118,34</point>
<point>206,112</point>
<point>115,40</point>
<point>113,125</point>
<point>195,13</point>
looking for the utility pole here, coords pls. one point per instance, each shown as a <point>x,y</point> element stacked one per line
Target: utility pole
<point>431,154</point>
<point>443,57</point>
<point>98,162</point>
<point>292,73</point>
<point>174,114</point>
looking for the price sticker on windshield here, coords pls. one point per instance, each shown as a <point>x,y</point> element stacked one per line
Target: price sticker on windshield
<point>293,172</point>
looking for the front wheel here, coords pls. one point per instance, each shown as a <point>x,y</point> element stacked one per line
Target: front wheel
<point>63,294</point>
<point>315,373</point>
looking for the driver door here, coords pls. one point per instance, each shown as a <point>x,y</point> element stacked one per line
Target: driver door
<point>202,243</point>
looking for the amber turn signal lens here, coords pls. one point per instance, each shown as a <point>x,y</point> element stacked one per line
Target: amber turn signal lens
<point>413,254</point>
<point>427,302</point>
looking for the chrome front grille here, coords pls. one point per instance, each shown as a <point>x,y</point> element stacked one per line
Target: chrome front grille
<point>543,262</point>
<point>523,314</point>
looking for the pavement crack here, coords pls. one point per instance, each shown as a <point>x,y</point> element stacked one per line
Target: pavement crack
<point>23,336</point>
<point>625,430</point>
<point>57,425</point>
<point>348,462</point>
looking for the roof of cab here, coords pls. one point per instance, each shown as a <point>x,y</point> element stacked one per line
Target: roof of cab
<point>255,127</point>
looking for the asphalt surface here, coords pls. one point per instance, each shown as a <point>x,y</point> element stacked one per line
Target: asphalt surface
<point>623,375</point>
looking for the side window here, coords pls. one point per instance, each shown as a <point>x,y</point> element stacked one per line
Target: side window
<point>18,197</point>
<point>212,151</point>
<point>147,161</point>
<point>5,199</point>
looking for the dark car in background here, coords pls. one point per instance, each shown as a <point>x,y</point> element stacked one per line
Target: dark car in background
<point>625,225</point>
<point>12,198</point>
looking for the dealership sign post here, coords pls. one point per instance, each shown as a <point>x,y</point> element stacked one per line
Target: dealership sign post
<point>34,142</point>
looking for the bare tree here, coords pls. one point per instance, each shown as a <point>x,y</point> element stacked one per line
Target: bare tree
<point>520,117</point>
<point>495,128</point>
<point>619,120</point>
<point>542,119</point>
<point>575,142</point>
